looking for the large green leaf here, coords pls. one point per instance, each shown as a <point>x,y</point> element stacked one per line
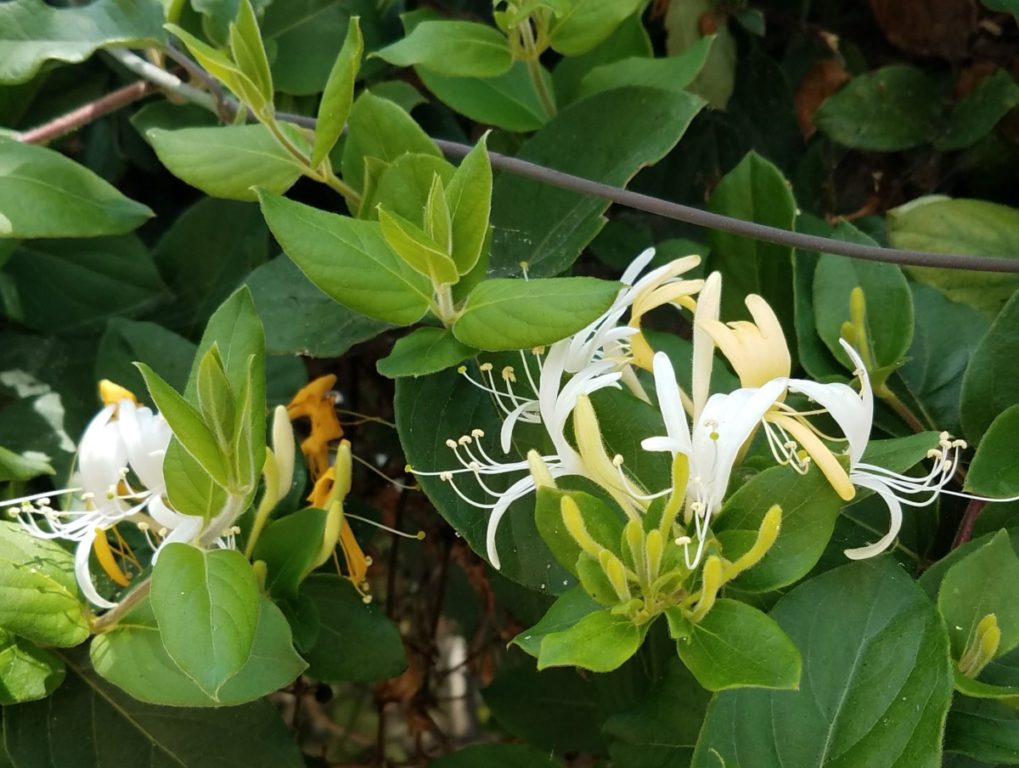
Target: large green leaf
<point>876,681</point>
<point>27,672</point>
<point>73,286</point>
<point>508,101</point>
<point>127,340</point>
<point>976,115</point>
<point>356,642</point>
<point>32,32</point>
<point>207,606</point>
<point>306,35</point>
<point>429,411</point>
<point>600,642</point>
<point>233,232</point>
<point>893,108</point>
<point>227,161</point>
<point>971,227</point>
<point>988,386</point>
<point>755,190</point>
<point>889,316</point>
<point>671,73</point>
<point>984,582</point>
<point>497,756</point>
<point>809,510</point>
<point>506,314</point>
<point>38,593</point>
<point>548,227</point>
<point>629,40</point>
<point>994,470</point>
<point>423,351</point>
<point>132,657</point>
<point>137,734</point>
<point>289,547</point>
<point>348,260</point>
<point>299,318</point>
<point>944,339</point>
<point>44,194</point>
<point>737,646</point>
<point>454,48</point>
<point>985,730</point>
<point>585,23</point>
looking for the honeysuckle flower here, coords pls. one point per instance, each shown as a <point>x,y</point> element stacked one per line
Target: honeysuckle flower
<point>854,414</point>
<point>721,429</point>
<point>317,403</point>
<point>119,469</point>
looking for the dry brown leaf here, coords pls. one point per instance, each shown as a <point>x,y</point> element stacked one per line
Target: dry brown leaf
<point>820,82</point>
<point>941,28</point>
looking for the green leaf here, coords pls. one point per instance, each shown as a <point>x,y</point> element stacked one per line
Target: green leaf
<point>132,657</point>
<point>15,467</point>
<point>207,607</point>
<point>755,190</point>
<point>134,733</point>
<point>32,32</point>
<point>456,48</point>
<point>548,227</point>
<point>379,128</point>
<point>497,756</point>
<point>27,672</point>
<point>44,194</point>
<point>423,351</point>
<point>300,319</point>
<point>587,23</point>
<point>417,249</point>
<point>289,547</point>
<point>994,470</point>
<point>660,731</point>
<point>683,25</point>
<point>248,50</point>
<point>222,67</point>
<point>809,510</point>
<point>975,227</point>
<point>670,73</point>
<point>976,115</point>
<point>188,426</point>
<point>508,101</point>
<point>737,646</point>
<point>191,489</point>
<point>889,305</point>
<point>556,709</point>
<point>894,108</point>
<point>875,687</point>
<point>506,314</point>
<point>216,400</point>
<point>570,607</point>
<point>599,642</point>
<point>39,594</point>
<point>604,523</point>
<point>988,386</point>
<point>234,232</point>
<point>356,642</point>
<point>227,161</point>
<point>944,339</point>
<point>429,411</point>
<point>629,40</point>
<point>985,730</point>
<point>74,286</point>
<point>403,185</point>
<point>983,582</point>
<point>305,35</point>
<point>469,195</point>
<point>349,261</point>
<point>338,96</point>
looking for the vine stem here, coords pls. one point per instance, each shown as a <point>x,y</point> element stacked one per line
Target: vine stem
<point>111,617</point>
<point>969,519</point>
<point>618,195</point>
<point>87,113</point>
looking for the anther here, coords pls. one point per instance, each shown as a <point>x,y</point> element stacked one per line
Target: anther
<point>465,440</point>
<point>509,375</point>
<point>477,433</point>
<point>617,460</point>
<point>451,443</point>
<point>486,367</point>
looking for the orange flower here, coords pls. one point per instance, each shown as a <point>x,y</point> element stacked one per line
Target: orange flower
<point>315,403</point>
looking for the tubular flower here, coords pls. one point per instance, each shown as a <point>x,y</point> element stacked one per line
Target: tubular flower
<point>854,413</point>
<point>724,424</point>
<point>316,403</point>
<point>550,388</point>
<point>120,477</point>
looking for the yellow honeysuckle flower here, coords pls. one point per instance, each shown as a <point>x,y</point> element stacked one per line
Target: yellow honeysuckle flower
<point>315,403</point>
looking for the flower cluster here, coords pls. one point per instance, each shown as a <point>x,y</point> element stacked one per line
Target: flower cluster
<point>706,433</point>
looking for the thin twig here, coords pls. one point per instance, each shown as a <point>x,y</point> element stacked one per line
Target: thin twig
<point>87,113</point>
<point>625,197</point>
<point>969,520</point>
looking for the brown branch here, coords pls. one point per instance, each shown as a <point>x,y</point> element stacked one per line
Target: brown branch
<point>969,520</point>
<point>87,113</point>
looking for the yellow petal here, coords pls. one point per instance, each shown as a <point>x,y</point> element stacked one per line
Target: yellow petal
<point>819,453</point>
<point>111,393</point>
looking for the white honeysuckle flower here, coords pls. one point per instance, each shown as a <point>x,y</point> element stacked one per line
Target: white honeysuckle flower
<point>120,477</point>
<point>854,414</point>
<point>721,429</point>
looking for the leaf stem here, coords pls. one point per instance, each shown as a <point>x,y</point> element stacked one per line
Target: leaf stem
<point>900,408</point>
<point>109,619</point>
<point>540,87</point>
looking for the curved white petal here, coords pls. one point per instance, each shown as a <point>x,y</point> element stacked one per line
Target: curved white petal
<point>708,303</point>
<point>84,575</point>
<point>670,404</point>
<point>637,266</point>
<point>894,514</point>
<point>520,488</point>
<point>185,532</point>
<point>506,432</point>
<point>850,411</point>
